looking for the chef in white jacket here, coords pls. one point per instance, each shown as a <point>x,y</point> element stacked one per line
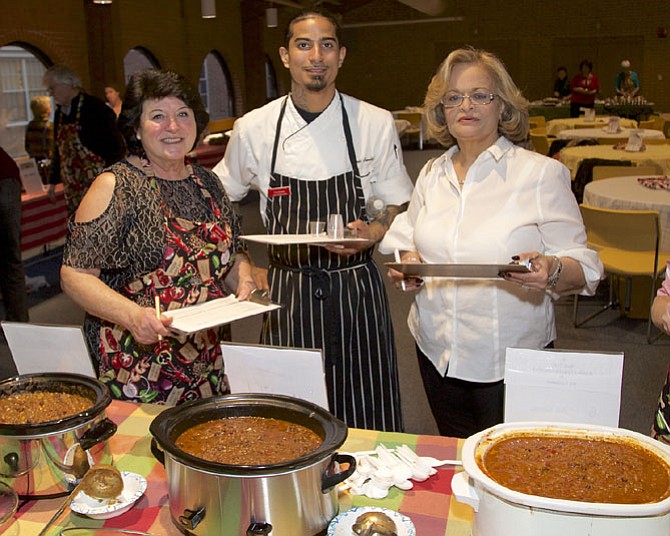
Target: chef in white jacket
<point>310,154</point>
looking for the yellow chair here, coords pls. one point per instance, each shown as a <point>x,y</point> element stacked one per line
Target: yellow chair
<point>612,141</point>
<point>221,125</point>
<point>540,141</point>
<point>607,172</point>
<point>415,125</point>
<point>655,122</point>
<point>627,242</point>
<point>537,121</point>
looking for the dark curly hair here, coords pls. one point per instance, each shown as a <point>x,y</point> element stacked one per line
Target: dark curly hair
<point>152,84</point>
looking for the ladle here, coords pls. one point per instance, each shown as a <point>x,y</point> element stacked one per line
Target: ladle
<point>374,524</point>
<point>88,481</point>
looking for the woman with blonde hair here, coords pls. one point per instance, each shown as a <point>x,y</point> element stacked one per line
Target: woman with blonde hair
<point>486,200</point>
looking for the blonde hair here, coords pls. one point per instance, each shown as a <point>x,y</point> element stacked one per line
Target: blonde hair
<point>513,122</point>
<point>40,106</point>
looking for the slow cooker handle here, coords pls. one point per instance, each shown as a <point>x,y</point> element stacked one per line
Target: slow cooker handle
<point>157,452</point>
<point>99,432</point>
<point>331,478</point>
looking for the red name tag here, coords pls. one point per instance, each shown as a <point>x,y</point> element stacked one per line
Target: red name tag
<point>279,191</point>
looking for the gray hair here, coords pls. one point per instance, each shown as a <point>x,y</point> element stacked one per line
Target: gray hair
<point>513,121</point>
<point>61,74</point>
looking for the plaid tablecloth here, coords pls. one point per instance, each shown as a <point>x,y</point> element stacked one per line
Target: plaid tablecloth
<point>429,504</point>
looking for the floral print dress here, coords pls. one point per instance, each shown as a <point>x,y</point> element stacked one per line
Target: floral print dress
<point>175,240</point>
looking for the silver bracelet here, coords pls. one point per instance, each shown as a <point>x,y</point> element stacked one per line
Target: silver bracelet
<point>553,278</point>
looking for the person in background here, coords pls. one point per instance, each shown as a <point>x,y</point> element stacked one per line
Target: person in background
<point>584,87</point>
<point>562,83</point>
<point>39,139</point>
<point>314,153</point>
<point>153,228</point>
<point>627,82</point>
<point>87,139</point>
<point>12,275</point>
<point>113,98</point>
<point>660,315</point>
<point>486,200</point>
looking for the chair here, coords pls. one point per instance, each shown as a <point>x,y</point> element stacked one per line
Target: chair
<point>655,122</point>
<point>537,121</point>
<point>540,142</point>
<point>584,173</point>
<point>627,242</point>
<point>415,125</point>
<point>655,141</point>
<point>612,141</point>
<point>221,125</point>
<point>606,172</point>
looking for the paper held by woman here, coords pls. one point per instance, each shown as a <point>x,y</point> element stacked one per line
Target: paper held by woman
<point>468,271</point>
<point>215,313</point>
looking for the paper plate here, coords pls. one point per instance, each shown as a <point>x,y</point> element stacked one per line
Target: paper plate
<point>134,486</point>
<point>343,523</point>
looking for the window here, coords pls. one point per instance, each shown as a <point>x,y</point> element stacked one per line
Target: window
<point>21,75</point>
<point>136,59</point>
<point>215,87</point>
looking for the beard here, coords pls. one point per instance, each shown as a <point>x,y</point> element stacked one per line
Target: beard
<point>316,83</point>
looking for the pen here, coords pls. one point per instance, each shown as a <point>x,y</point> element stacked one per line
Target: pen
<point>403,285</point>
<point>157,303</point>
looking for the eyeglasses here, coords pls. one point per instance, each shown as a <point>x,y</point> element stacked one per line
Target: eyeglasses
<point>453,100</point>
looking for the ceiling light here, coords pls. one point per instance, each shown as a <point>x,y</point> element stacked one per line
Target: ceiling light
<point>208,9</point>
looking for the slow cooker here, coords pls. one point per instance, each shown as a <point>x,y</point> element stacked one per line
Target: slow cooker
<point>34,457</point>
<point>501,511</point>
<point>293,498</point>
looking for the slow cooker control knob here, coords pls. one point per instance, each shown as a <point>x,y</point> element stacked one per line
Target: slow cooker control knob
<point>192,518</point>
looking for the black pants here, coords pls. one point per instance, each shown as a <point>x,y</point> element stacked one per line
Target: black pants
<point>575,106</point>
<point>12,277</point>
<point>462,408</point>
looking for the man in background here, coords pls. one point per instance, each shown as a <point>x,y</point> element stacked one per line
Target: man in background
<point>87,139</point>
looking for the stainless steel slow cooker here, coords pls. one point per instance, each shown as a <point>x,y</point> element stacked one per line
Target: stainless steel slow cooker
<point>501,511</point>
<point>294,498</point>
<point>34,458</point>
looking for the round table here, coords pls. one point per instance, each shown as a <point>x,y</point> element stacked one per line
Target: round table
<point>580,133</point>
<point>626,193</point>
<point>653,155</point>
<point>555,126</point>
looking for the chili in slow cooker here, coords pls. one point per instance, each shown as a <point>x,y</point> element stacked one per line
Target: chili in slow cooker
<point>248,441</point>
<point>578,469</point>
<point>40,407</point>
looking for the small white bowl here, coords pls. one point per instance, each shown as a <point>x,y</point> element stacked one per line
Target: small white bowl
<point>134,486</point>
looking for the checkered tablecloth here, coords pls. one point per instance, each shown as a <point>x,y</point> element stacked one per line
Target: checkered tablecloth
<point>429,504</point>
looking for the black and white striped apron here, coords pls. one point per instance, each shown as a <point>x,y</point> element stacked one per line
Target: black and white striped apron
<point>332,302</point>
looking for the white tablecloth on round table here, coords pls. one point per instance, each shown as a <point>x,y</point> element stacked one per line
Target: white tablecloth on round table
<point>579,133</point>
<point>555,126</point>
<point>626,193</point>
<point>653,155</point>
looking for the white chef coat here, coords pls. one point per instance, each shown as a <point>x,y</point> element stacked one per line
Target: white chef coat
<point>315,151</point>
<point>513,201</point>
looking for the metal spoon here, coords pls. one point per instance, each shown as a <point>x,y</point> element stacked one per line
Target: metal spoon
<point>374,524</point>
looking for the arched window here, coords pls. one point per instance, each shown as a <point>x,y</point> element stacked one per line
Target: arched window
<point>215,87</point>
<point>136,59</point>
<point>21,70</point>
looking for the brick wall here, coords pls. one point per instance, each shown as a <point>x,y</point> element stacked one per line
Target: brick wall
<point>389,65</point>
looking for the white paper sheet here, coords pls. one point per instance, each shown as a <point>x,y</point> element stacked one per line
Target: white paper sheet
<point>214,313</point>
<point>563,386</point>
<point>39,348</point>
<point>30,175</point>
<point>293,372</point>
<point>309,239</point>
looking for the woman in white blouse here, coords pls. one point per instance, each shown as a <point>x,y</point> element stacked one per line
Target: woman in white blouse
<point>485,200</point>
